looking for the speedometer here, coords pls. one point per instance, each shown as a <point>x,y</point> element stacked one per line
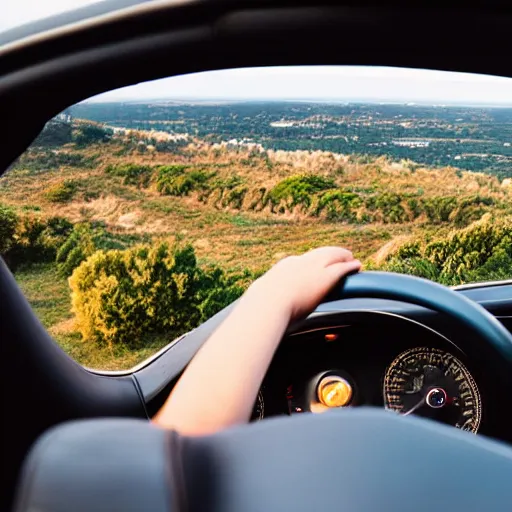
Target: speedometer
<point>435,384</point>
<point>258,411</point>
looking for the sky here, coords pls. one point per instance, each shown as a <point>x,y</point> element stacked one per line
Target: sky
<point>17,12</point>
<point>319,83</point>
<point>338,83</point>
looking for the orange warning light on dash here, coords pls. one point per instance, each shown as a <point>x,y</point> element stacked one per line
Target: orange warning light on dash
<point>331,337</point>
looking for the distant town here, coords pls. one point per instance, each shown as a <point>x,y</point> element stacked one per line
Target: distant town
<point>471,138</point>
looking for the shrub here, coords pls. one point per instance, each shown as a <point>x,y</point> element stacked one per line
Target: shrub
<point>171,146</point>
<point>218,289</point>
<point>62,192</point>
<point>414,207</point>
<point>498,266</point>
<point>338,205</point>
<point>90,134</point>
<point>298,191</point>
<point>257,199</point>
<point>416,266</point>
<point>229,183</point>
<point>55,133</point>
<point>408,250</point>
<point>439,209</point>
<point>132,174</point>
<point>389,206</point>
<point>481,251</point>
<point>235,197</point>
<point>120,296</point>
<point>177,180</point>
<point>35,160</point>
<point>8,224</point>
<point>37,240</point>
<point>470,209</point>
<point>82,242</point>
<point>468,249</point>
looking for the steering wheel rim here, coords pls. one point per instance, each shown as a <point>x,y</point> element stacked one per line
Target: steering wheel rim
<point>495,341</point>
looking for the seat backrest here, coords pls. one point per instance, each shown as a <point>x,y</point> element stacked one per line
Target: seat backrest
<point>100,466</point>
<point>359,459</point>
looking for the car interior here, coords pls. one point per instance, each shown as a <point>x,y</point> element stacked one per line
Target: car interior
<point>98,450</point>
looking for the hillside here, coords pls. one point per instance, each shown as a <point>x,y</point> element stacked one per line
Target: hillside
<point>268,203</point>
<point>241,208</point>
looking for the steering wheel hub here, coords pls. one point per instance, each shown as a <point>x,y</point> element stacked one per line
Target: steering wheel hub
<point>436,398</point>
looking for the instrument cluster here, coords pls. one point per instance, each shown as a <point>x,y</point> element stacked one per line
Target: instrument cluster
<point>337,368</point>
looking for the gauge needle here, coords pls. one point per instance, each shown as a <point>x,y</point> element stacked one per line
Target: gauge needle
<point>417,406</point>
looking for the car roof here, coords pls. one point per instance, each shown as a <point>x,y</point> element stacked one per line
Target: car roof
<point>110,8</point>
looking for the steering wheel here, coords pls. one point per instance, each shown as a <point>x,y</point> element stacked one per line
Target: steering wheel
<point>359,459</point>
<point>494,341</point>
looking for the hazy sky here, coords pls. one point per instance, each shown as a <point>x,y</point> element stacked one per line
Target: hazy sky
<point>18,12</point>
<point>322,82</point>
<point>326,82</point>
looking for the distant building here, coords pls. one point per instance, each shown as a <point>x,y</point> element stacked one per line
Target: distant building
<point>282,124</point>
<point>64,117</point>
<point>411,143</point>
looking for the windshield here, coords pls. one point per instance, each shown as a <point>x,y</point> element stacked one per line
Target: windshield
<point>140,213</point>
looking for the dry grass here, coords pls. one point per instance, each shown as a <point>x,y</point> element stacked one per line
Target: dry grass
<point>231,238</point>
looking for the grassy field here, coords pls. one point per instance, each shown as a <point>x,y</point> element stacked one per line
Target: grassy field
<point>243,211</point>
<point>48,294</point>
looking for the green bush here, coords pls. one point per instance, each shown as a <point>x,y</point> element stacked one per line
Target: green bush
<point>178,180</point>
<point>62,192</point>
<point>83,241</point>
<point>298,191</point>
<point>439,209</point>
<point>389,206</point>
<point>414,207</point>
<point>171,146</point>
<point>8,225</point>
<point>235,197</point>
<point>218,290</point>
<point>91,134</point>
<point>408,250</point>
<point>498,266</point>
<point>470,248</point>
<point>118,297</point>
<point>481,251</point>
<point>36,240</point>
<point>36,160</point>
<point>415,266</point>
<point>338,205</point>
<point>132,174</point>
<point>470,209</point>
<point>229,183</point>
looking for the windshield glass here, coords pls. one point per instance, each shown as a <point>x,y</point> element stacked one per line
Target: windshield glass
<point>140,213</point>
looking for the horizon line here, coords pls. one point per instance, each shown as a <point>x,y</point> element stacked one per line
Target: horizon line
<point>231,100</point>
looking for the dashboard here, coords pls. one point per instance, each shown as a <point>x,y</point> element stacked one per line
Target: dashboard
<point>383,360</point>
<point>369,352</point>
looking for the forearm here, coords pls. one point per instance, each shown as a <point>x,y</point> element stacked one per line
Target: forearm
<point>220,385</point>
